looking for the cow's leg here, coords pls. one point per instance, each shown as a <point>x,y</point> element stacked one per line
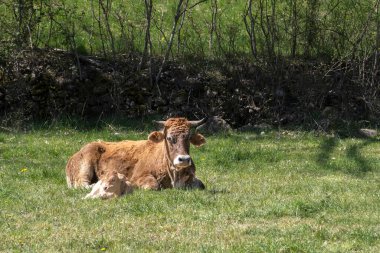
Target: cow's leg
<point>86,173</point>
<point>148,182</point>
<point>196,184</point>
<point>71,171</point>
<point>95,191</point>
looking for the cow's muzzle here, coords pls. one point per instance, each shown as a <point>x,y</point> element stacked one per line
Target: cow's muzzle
<point>182,161</point>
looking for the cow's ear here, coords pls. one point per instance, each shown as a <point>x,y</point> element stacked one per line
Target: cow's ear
<point>156,136</point>
<point>197,140</point>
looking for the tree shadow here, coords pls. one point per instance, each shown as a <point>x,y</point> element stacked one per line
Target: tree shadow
<point>143,123</point>
<point>352,153</point>
<point>363,165</point>
<point>327,147</point>
<point>214,191</point>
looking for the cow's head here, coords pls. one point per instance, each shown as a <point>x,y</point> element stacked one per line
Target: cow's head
<point>177,134</point>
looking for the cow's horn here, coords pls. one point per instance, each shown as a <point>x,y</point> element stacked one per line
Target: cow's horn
<point>196,123</point>
<point>159,122</point>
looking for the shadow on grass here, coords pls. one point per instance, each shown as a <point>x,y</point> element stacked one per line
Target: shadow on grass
<point>114,123</point>
<point>214,191</point>
<point>353,153</point>
<point>326,149</point>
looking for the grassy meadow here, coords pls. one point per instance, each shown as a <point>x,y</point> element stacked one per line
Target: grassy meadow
<point>278,191</point>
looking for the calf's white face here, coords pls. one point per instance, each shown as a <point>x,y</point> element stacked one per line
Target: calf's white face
<point>110,186</point>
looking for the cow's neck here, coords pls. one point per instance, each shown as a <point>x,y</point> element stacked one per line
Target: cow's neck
<point>170,169</point>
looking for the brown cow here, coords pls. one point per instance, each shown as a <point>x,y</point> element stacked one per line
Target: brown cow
<point>162,161</point>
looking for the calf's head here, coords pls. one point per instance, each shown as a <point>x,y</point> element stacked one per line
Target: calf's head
<point>177,135</point>
<point>111,185</point>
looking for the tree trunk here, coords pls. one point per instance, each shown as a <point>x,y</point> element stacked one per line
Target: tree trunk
<point>294,28</point>
<point>250,28</point>
<point>147,43</point>
<point>170,43</point>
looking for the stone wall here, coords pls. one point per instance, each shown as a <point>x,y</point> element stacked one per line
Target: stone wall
<point>47,84</point>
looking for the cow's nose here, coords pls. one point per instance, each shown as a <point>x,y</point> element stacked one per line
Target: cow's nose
<point>182,161</point>
<point>184,158</point>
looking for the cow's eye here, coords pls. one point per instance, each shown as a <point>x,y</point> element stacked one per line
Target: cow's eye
<point>171,139</point>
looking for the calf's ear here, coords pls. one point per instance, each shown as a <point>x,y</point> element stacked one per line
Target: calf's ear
<point>121,177</point>
<point>197,140</point>
<point>156,136</point>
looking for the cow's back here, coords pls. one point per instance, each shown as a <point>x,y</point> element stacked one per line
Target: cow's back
<point>130,158</point>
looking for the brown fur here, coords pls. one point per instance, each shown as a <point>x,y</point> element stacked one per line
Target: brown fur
<point>142,162</point>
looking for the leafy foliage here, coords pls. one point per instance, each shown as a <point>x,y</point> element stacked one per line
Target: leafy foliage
<point>217,28</point>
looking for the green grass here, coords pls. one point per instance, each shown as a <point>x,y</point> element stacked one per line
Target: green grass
<point>283,191</point>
